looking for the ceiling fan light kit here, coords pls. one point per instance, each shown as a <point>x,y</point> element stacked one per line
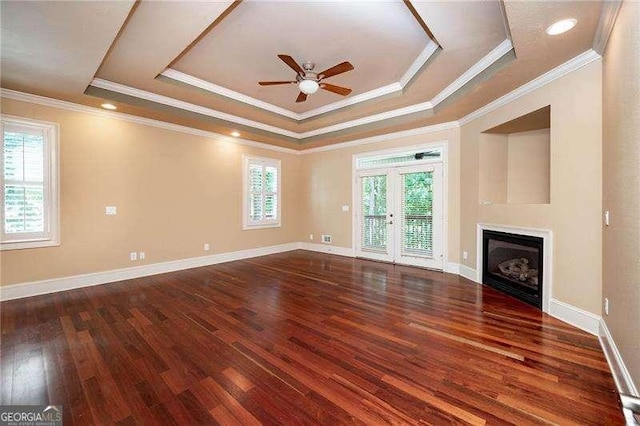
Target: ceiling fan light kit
<point>309,82</point>
<point>308,87</point>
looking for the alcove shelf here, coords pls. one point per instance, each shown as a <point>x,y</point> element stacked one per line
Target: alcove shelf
<point>514,160</point>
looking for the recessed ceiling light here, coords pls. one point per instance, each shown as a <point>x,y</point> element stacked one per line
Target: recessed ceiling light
<point>561,26</point>
<point>109,106</point>
<point>235,134</point>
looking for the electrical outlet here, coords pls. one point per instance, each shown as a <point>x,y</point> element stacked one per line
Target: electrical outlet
<point>326,239</point>
<point>607,218</point>
<point>311,237</point>
<point>141,255</point>
<point>606,306</point>
<point>345,208</point>
<point>133,256</point>
<point>206,247</point>
<point>110,210</point>
<point>465,255</point>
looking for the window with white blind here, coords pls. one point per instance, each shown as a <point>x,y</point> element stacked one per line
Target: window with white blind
<point>261,207</point>
<point>29,184</point>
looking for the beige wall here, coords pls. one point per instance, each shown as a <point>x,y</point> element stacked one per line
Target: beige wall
<point>574,212</point>
<point>329,179</point>
<point>493,156</point>
<point>174,192</point>
<point>528,167</point>
<point>621,184</point>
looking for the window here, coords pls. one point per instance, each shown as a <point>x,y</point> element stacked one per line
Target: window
<point>261,192</point>
<point>29,184</point>
<point>399,158</point>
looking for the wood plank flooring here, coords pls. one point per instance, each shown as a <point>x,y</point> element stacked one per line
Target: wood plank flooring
<point>301,338</point>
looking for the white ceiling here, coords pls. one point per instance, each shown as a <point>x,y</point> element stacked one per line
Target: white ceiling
<point>41,50</point>
<point>380,39</point>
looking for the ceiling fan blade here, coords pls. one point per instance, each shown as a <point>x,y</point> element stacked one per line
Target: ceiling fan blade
<point>292,63</point>
<point>272,83</point>
<point>301,97</point>
<point>335,89</point>
<point>338,69</point>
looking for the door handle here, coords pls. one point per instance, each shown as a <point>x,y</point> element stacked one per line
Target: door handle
<point>390,222</point>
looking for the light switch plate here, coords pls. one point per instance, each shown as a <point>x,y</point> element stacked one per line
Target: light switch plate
<point>345,208</point>
<point>110,210</point>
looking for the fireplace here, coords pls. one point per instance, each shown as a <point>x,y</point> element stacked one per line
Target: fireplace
<point>513,264</point>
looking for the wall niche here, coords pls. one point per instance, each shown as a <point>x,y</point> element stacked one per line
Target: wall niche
<point>514,160</point>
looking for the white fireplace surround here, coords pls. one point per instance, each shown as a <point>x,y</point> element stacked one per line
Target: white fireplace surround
<point>547,259</point>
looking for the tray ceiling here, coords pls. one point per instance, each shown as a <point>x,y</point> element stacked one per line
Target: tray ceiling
<point>198,63</point>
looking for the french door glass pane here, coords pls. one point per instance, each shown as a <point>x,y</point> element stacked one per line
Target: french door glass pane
<point>374,213</point>
<point>417,214</point>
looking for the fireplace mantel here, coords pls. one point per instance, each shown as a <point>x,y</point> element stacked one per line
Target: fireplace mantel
<point>547,237</point>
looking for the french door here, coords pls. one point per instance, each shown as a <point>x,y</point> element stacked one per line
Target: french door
<point>400,215</point>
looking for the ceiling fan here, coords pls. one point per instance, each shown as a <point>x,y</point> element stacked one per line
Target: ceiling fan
<point>308,81</point>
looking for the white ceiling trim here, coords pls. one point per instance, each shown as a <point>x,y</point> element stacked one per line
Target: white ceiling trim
<point>484,63</point>
<point>425,106</point>
<point>389,136</point>
<point>570,66</point>
<point>70,106</point>
<point>608,17</point>
<point>422,59</point>
<point>398,86</point>
<point>476,69</point>
<point>165,100</point>
<point>227,93</point>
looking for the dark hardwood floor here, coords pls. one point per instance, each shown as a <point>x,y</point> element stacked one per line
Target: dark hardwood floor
<point>301,338</point>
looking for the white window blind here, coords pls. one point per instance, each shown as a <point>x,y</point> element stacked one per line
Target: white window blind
<point>29,184</point>
<point>417,217</point>
<point>261,192</point>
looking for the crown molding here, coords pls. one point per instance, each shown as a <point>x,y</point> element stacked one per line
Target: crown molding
<point>476,69</point>
<point>70,106</point>
<point>381,138</point>
<point>398,86</point>
<point>608,17</point>
<point>190,80</point>
<point>570,66</point>
<point>422,59</point>
<point>484,63</point>
<point>172,102</point>
<point>425,106</point>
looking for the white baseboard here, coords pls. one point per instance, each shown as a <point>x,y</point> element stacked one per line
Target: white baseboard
<point>453,268</point>
<point>327,248</point>
<point>577,317</point>
<point>35,288</point>
<point>469,273</point>
<point>619,370</point>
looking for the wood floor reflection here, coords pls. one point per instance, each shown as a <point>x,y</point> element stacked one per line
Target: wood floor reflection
<point>301,338</point>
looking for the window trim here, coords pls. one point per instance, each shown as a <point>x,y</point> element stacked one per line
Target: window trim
<point>51,186</point>
<point>248,224</point>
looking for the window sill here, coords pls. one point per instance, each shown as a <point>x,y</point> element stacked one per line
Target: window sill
<point>269,225</point>
<point>20,245</point>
